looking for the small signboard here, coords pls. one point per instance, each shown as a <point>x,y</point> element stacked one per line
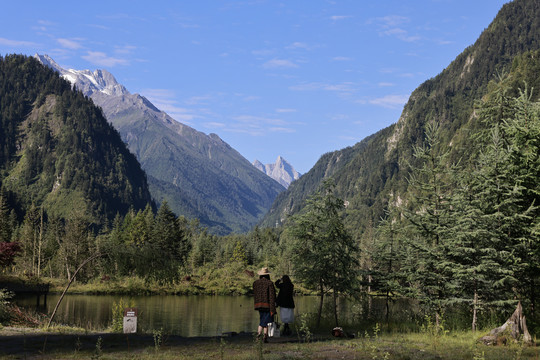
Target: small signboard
<point>130,320</point>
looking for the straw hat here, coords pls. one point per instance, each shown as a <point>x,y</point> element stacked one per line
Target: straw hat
<point>264,271</point>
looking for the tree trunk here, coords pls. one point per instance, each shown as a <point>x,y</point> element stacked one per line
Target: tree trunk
<point>320,304</point>
<point>40,243</point>
<point>475,309</point>
<point>335,308</point>
<point>387,304</point>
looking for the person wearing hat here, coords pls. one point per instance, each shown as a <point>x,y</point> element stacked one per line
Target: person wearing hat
<point>264,296</point>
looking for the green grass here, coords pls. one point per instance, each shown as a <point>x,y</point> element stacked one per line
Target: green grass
<point>413,346</point>
<point>230,279</point>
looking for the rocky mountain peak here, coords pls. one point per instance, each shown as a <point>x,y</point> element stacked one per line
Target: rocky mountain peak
<point>281,171</point>
<point>87,81</point>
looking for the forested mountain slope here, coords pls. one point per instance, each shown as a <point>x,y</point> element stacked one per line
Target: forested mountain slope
<point>200,176</point>
<point>367,173</point>
<point>58,151</point>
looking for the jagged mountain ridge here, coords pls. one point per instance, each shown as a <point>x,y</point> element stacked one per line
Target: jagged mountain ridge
<point>87,81</point>
<point>368,174</point>
<point>281,171</point>
<point>199,175</point>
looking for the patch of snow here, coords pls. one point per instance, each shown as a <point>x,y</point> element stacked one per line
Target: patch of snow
<point>72,79</point>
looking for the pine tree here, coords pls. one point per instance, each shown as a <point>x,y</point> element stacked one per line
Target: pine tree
<point>6,224</point>
<point>519,205</point>
<point>429,215</point>
<point>389,254</point>
<point>496,244</point>
<point>168,248</point>
<point>324,255</point>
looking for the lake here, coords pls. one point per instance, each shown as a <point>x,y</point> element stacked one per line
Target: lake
<point>205,315</point>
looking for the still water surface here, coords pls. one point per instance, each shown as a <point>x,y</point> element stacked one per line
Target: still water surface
<point>188,315</point>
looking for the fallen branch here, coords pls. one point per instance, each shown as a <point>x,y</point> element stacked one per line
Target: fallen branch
<point>69,284</point>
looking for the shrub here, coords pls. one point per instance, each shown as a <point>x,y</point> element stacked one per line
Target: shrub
<point>5,306</point>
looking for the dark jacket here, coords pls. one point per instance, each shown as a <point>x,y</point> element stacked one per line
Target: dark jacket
<point>285,296</point>
<point>264,295</point>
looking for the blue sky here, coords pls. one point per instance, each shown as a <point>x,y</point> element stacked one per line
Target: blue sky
<point>295,78</point>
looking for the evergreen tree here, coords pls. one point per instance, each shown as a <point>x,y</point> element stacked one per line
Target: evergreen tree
<point>388,272</point>
<point>324,255</point>
<point>496,244</point>
<point>76,245</point>
<point>168,248</point>
<point>6,219</point>
<point>429,214</point>
<point>523,131</point>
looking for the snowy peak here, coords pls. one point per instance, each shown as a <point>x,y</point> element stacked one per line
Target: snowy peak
<point>281,171</point>
<point>87,81</point>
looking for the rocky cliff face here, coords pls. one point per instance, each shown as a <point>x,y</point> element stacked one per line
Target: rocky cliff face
<point>281,171</point>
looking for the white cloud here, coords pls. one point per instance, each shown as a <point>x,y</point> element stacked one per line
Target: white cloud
<point>165,100</point>
<point>339,117</point>
<point>99,26</point>
<point>340,17</point>
<point>258,120</point>
<point>391,25</point>
<point>17,43</point>
<point>43,26</point>
<point>341,58</point>
<point>282,130</point>
<point>46,22</point>
<point>214,125</point>
<point>69,44</point>
<point>445,42</point>
<point>124,50</point>
<point>342,87</point>
<point>101,59</point>
<point>279,63</point>
<point>285,110</point>
<point>197,100</point>
<point>392,20</point>
<point>263,52</point>
<point>258,125</point>
<point>390,101</point>
<point>251,98</point>
<point>299,45</point>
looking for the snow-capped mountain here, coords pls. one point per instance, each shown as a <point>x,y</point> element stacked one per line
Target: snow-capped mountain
<point>87,81</point>
<point>199,175</point>
<point>281,171</point>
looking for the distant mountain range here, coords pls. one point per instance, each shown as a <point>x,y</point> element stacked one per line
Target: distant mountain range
<point>281,171</point>
<point>199,175</point>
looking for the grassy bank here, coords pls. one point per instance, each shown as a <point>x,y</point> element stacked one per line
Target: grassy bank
<point>417,346</point>
<point>205,281</point>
